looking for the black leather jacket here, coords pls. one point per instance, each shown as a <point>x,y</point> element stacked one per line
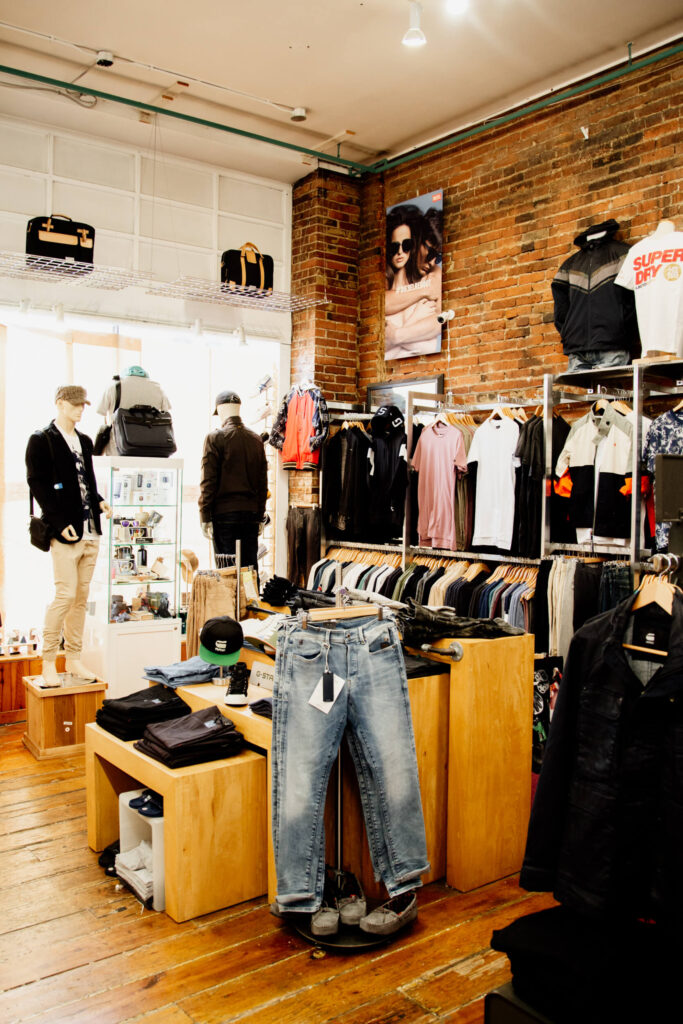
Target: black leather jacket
<point>606,829</point>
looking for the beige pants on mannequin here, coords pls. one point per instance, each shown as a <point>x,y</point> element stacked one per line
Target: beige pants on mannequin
<point>73,567</point>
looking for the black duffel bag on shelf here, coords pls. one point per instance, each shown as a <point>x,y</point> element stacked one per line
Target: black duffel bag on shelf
<point>60,238</point>
<point>247,268</point>
<point>144,431</point>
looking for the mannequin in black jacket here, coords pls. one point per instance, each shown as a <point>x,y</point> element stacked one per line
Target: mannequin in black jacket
<point>60,475</point>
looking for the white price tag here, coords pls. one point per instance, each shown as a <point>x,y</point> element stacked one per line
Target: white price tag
<point>316,698</point>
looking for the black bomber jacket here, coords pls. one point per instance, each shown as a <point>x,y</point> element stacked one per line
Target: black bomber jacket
<point>606,828</point>
<point>592,313</point>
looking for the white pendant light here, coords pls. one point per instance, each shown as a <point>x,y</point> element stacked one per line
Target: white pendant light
<point>414,36</point>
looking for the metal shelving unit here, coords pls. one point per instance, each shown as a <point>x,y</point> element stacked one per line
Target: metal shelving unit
<point>195,289</point>
<point>639,382</point>
<point>73,274</point>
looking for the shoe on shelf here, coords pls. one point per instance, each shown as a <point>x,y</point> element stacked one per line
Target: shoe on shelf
<point>77,670</point>
<point>50,675</point>
<point>238,684</point>
<point>153,806</point>
<point>392,915</point>
<point>350,899</point>
<point>136,802</point>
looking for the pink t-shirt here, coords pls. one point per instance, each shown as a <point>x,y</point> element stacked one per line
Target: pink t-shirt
<point>439,455</point>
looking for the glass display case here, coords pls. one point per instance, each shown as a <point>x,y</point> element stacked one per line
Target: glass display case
<point>133,606</point>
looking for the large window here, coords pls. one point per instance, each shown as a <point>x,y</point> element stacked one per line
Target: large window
<point>191,368</point>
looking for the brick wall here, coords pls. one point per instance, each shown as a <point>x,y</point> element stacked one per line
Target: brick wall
<point>514,199</point>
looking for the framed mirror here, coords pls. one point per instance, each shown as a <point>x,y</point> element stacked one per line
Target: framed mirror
<point>395,392</point>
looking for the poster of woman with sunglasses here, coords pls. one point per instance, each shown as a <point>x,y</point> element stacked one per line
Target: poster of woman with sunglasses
<point>414,235</point>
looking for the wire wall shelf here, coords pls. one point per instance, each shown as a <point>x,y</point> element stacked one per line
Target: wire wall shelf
<point>68,272</point>
<point>198,290</point>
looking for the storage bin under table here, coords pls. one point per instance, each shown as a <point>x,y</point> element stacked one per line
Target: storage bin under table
<point>215,820</point>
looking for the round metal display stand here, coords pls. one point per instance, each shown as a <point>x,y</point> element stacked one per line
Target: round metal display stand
<point>346,940</point>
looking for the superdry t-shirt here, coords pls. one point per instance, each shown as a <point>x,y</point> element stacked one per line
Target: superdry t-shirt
<point>653,269</point>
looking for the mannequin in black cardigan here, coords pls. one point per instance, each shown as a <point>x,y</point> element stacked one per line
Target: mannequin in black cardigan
<point>60,474</point>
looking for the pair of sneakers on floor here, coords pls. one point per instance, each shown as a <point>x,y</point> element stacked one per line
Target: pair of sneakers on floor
<point>344,903</point>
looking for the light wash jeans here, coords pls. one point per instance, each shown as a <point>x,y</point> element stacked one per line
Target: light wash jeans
<point>596,359</point>
<point>373,707</point>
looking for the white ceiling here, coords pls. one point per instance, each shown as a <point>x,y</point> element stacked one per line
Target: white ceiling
<point>340,59</point>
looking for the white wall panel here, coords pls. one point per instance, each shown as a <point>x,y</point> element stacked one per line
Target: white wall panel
<point>169,180</point>
<point>176,223</point>
<point>101,165</point>
<point>100,208</point>
<point>250,199</point>
<point>114,250</point>
<point>22,193</point>
<point>22,148</point>
<point>167,262</point>
<point>12,233</point>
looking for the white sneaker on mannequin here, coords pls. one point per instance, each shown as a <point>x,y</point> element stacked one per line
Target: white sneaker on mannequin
<point>77,670</point>
<point>49,675</point>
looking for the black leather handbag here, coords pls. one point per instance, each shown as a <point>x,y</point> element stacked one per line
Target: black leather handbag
<point>247,268</point>
<point>144,431</point>
<point>60,238</point>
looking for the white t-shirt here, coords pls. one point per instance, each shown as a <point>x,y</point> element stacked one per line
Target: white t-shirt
<point>493,449</point>
<point>653,269</point>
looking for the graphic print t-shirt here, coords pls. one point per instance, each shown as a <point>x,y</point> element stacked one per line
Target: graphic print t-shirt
<point>75,445</point>
<point>653,269</point>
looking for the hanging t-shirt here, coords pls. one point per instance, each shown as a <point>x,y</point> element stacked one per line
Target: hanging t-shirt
<point>439,456</point>
<point>493,449</point>
<point>653,269</point>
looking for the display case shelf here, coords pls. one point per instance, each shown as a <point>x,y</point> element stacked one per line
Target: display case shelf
<point>68,272</point>
<point>197,289</point>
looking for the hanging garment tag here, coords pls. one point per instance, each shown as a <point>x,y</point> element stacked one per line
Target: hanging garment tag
<point>317,698</point>
<point>328,687</point>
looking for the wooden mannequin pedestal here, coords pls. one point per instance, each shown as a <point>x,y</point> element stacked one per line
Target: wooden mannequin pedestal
<point>56,716</point>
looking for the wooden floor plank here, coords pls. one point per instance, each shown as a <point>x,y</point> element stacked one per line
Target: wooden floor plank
<point>76,948</point>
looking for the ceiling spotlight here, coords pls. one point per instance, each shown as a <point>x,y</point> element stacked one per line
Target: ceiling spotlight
<point>298,114</point>
<point>104,59</point>
<point>242,336</point>
<point>456,7</point>
<point>414,36</point>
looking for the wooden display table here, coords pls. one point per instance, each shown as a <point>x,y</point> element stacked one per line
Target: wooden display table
<point>13,668</point>
<point>429,704</point>
<point>215,816</point>
<point>489,758</point>
<point>56,716</point>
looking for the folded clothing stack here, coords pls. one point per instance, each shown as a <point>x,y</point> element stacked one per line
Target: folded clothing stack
<point>204,735</point>
<point>263,707</point>
<point>183,673</point>
<point>134,867</point>
<point>127,717</point>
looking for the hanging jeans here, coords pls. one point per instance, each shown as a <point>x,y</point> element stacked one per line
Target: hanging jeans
<point>303,542</point>
<point>373,708</point>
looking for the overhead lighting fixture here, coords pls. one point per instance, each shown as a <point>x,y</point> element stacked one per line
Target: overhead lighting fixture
<point>414,36</point>
<point>242,336</point>
<point>456,7</point>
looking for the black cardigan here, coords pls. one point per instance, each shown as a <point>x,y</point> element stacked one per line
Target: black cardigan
<point>61,506</point>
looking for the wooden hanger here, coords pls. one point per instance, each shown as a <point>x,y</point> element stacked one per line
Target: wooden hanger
<point>347,612</point>
<point>679,407</point>
<point>653,590</point>
<point>622,407</point>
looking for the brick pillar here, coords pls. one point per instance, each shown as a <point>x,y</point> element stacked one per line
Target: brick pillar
<point>326,209</point>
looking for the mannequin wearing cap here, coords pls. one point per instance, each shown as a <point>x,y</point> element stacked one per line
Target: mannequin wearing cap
<point>234,483</point>
<point>61,478</point>
<point>136,389</point>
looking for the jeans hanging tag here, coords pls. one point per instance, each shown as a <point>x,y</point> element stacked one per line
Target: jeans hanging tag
<point>317,698</point>
<point>328,687</point>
